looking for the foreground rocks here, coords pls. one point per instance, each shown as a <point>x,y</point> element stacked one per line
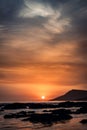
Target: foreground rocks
<point>84,121</point>
<point>58,113</point>
<point>21,114</point>
<point>67,104</point>
<point>1,109</point>
<point>82,110</point>
<point>50,117</point>
<point>44,118</point>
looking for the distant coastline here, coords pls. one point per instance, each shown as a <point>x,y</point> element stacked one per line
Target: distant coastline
<point>73,95</point>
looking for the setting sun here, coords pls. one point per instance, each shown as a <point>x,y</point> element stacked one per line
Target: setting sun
<point>43,97</point>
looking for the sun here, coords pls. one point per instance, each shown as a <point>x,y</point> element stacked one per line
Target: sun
<point>43,97</point>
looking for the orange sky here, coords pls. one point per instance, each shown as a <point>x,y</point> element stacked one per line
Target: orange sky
<point>32,82</point>
<point>43,48</point>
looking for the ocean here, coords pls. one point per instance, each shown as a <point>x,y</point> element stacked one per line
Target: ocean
<point>19,124</point>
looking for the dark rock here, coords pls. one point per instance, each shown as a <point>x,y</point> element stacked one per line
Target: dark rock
<point>16,106</point>
<point>61,111</point>
<point>84,121</point>
<point>82,110</point>
<point>18,115</point>
<point>48,118</point>
<point>1,109</point>
<point>9,116</point>
<point>73,95</point>
<point>67,104</point>
<point>42,105</point>
<point>83,99</point>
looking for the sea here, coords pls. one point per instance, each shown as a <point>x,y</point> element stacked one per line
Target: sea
<point>18,124</point>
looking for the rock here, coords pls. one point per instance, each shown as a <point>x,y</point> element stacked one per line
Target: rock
<point>82,110</point>
<point>1,110</point>
<point>9,116</point>
<point>19,114</point>
<point>67,104</point>
<point>48,118</point>
<point>61,111</point>
<point>84,121</point>
<point>72,95</point>
<point>16,106</point>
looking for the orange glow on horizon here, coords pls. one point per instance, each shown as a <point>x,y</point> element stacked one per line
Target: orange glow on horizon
<point>32,92</point>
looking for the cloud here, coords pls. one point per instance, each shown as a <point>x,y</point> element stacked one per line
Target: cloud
<point>9,9</point>
<point>35,8</point>
<point>45,32</point>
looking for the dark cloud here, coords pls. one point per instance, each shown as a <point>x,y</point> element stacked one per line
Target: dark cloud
<point>55,4</point>
<point>76,11</point>
<point>9,9</point>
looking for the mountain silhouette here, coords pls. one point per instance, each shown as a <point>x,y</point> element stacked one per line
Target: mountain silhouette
<point>73,95</point>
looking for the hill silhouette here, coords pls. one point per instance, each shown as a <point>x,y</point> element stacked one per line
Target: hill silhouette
<point>73,95</point>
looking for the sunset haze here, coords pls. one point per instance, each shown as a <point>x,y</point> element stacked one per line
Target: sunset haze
<point>43,48</point>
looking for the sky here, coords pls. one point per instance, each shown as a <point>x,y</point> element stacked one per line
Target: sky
<point>43,48</point>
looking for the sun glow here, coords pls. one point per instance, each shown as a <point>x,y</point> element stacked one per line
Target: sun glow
<point>43,97</point>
